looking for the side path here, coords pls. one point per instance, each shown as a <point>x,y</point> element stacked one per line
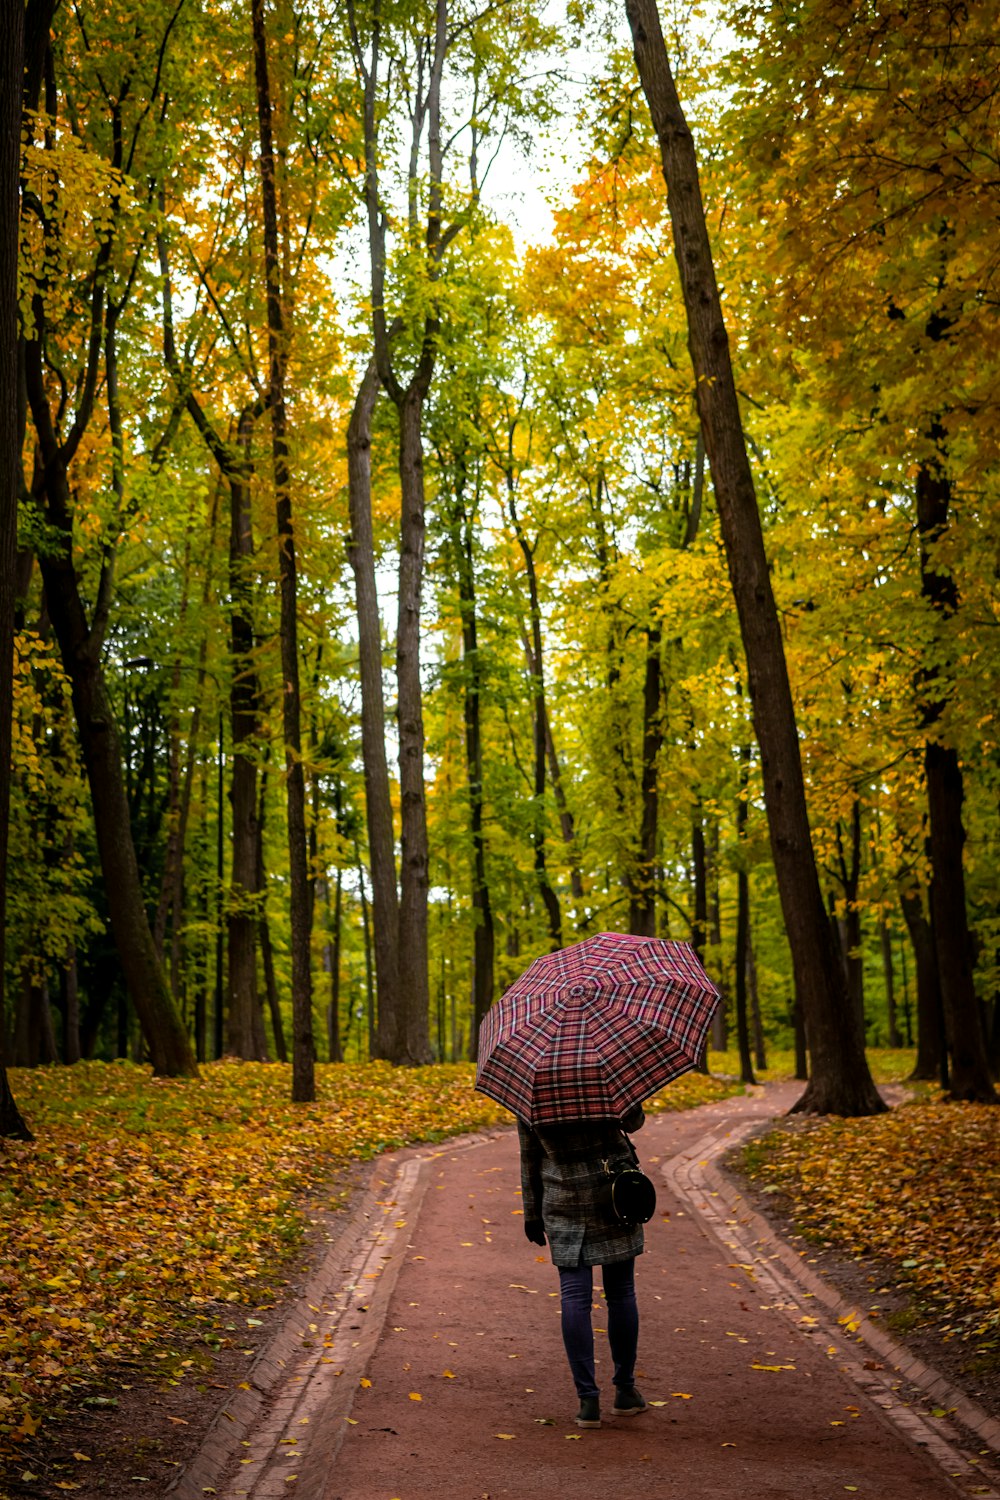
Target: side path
<point>431,1362</point>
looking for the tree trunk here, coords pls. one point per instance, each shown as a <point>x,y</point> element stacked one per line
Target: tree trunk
<point>720,1020</point>
<point>753,995</point>
<point>80,644</point>
<point>412,997</point>
<point>801,1042</point>
<point>743,923</point>
<point>366,927</point>
<point>171,859</point>
<point>69,984</point>
<point>931,1059</point>
<point>171,901</point>
<point>169,1045</point>
<point>699,927</point>
<point>12,61</point>
<point>841,1082</point>
<point>335,919</point>
<point>378,801</point>
<point>218,1019</point>
<point>483,935</point>
<point>264,931</point>
<point>970,1069</point>
<point>414,878</point>
<point>540,721</point>
<point>642,897</point>
<point>849,926</point>
<point>885,941</point>
<point>245,1022</point>
<point>742,937</point>
<point>303,1049</point>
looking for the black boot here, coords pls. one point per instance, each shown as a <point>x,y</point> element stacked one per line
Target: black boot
<point>589,1414</point>
<point>628,1401</point>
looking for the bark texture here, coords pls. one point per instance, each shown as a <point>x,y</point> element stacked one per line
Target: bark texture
<point>414,880</point>
<point>378,804</point>
<point>841,1082</point>
<point>642,892</point>
<point>483,936</point>
<point>245,1036</point>
<point>931,1061</point>
<point>303,1047</point>
<point>970,1078</point>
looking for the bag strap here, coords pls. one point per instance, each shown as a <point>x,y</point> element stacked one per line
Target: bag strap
<point>631,1147</point>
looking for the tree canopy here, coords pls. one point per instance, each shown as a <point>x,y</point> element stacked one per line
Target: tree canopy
<point>375,614</point>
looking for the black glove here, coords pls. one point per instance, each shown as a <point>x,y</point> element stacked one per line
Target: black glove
<point>535,1230</point>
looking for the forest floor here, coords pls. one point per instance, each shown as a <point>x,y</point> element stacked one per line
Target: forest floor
<point>154,1234</point>
<point>132,1424</point>
<point>901,1212</point>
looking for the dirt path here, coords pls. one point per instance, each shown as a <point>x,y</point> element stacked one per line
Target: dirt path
<point>437,1369</point>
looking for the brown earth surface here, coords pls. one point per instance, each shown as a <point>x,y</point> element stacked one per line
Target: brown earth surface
<point>473,1331</point>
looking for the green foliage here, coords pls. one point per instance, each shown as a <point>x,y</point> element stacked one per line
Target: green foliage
<point>48,905</point>
<point>854,211</point>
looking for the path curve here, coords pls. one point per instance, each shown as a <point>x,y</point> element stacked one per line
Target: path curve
<point>425,1359</point>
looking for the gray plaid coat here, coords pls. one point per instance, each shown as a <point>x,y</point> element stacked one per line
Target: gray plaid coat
<point>561,1176</point>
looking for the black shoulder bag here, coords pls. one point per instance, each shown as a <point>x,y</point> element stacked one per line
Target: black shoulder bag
<point>628,1192</point>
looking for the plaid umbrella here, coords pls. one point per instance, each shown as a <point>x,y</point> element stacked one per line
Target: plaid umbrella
<point>593,1029</point>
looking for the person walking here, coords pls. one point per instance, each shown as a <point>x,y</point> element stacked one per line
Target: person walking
<point>564,1182</point>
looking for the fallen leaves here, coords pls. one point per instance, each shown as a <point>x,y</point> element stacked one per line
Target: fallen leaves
<point>918,1188</point>
<point>147,1205</point>
<point>691,1090</point>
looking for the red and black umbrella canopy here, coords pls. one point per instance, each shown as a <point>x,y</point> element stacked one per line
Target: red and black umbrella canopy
<point>593,1029</point>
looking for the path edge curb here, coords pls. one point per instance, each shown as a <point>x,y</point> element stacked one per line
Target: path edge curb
<point>925,1377</point>
<point>238,1411</point>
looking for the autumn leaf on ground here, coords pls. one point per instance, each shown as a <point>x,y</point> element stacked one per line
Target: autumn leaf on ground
<point>918,1188</point>
<point>173,1196</point>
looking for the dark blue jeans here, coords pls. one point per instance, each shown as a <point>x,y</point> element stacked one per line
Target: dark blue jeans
<point>576,1287</point>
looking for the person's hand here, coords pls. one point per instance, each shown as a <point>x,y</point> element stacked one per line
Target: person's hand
<point>535,1230</point>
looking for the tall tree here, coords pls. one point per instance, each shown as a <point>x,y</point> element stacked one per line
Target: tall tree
<point>460,507</point>
<point>409,50</point>
<point>303,1046</point>
<point>970,1066</point>
<point>841,1082</point>
<point>246,1021</point>
<point>11,429</point>
<point>883,240</point>
<point>378,801</point>
<point>408,395</point>
<point>80,630</point>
